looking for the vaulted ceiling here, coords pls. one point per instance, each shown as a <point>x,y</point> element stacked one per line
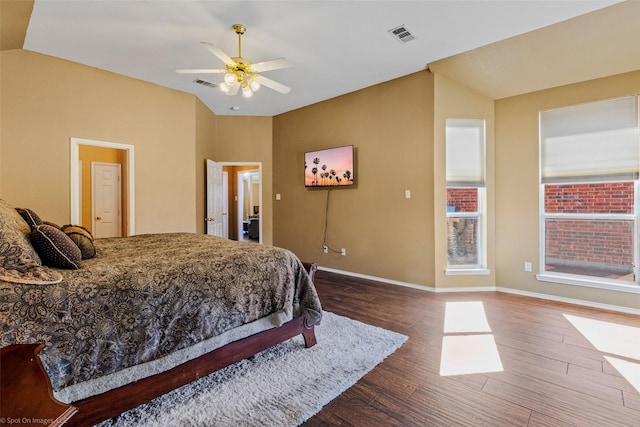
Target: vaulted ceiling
<point>501,48</point>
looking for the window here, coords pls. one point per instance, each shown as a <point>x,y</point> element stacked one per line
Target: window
<point>589,192</point>
<point>465,160</point>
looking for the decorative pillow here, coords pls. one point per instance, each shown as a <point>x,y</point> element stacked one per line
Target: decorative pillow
<point>82,238</point>
<point>55,248</point>
<point>15,247</point>
<point>54,225</point>
<point>29,216</point>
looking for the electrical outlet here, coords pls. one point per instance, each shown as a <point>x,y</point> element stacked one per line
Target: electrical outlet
<point>325,249</point>
<point>343,252</point>
<point>528,267</point>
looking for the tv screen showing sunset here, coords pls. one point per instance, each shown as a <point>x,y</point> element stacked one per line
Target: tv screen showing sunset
<point>330,167</point>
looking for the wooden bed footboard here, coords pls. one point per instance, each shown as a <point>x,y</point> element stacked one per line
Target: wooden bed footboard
<point>26,396</point>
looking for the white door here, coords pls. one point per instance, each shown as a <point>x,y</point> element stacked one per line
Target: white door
<point>215,223</point>
<point>106,199</point>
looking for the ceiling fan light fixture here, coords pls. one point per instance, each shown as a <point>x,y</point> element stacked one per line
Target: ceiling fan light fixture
<point>230,79</point>
<point>224,87</point>
<point>246,91</point>
<point>254,85</point>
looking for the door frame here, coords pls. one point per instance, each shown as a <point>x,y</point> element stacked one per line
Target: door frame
<point>258,166</point>
<point>225,204</point>
<point>75,179</point>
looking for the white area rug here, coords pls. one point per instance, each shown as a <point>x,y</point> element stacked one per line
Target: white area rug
<point>282,386</point>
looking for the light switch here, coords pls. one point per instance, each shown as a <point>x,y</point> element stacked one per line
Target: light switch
<point>278,196</point>
<point>407,194</point>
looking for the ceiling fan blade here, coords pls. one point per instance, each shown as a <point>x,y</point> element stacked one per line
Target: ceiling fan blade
<point>218,52</point>
<point>274,64</point>
<point>278,87</point>
<point>201,71</point>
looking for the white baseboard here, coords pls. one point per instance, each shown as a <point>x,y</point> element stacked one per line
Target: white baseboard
<point>585,303</point>
<point>378,279</point>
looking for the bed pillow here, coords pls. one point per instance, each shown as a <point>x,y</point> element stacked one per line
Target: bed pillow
<point>19,262</point>
<point>82,238</point>
<point>14,238</point>
<point>56,249</point>
<point>53,224</point>
<point>29,216</point>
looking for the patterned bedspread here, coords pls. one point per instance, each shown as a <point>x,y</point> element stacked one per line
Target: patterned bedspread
<point>143,297</point>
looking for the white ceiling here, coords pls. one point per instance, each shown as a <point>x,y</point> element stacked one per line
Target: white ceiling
<point>336,47</point>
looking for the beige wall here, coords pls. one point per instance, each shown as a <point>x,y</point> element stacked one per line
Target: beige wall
<point>14,20</point>
<point>517,208</point>
<point>385,235</point>
<point>248,139</point>
<point>453,100</point>
<point>46,101</point>
<point>397,128</point>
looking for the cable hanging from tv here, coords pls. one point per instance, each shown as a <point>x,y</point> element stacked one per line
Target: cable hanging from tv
<point>326,226</point>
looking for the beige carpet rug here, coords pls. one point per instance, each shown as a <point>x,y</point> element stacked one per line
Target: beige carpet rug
<point>282,386</point>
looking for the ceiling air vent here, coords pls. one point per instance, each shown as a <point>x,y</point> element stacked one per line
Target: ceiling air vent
<point>401,34</point>
<point>205,83</point>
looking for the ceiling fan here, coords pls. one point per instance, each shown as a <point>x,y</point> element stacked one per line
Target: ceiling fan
<point>240,73</point>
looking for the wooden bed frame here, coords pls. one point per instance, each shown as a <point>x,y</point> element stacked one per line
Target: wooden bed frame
<point>27,395</point>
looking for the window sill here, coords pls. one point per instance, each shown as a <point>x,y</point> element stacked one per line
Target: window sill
<point>609,285</point>
<point>467,272</point>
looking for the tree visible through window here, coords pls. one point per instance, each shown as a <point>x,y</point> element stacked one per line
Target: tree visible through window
<point>463,227</point>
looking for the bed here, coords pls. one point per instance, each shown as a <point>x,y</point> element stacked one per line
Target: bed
<point>145,315</point>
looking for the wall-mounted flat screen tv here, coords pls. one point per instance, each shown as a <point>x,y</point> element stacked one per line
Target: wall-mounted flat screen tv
<point>332,167</point>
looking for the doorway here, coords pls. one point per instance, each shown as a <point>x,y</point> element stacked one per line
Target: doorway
<point>248,205</point>
<point>76,182</point>
<point>244,196</point>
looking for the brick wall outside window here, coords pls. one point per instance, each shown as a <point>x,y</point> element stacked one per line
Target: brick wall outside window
<point>463,199</point>
<point>614,197</point>
<point>590,241</point>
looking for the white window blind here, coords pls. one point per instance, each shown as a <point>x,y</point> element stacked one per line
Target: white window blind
<point>465,152</point>
<point>598,141</point>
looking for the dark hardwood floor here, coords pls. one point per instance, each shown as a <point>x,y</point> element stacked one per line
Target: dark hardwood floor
<point>552,375</point>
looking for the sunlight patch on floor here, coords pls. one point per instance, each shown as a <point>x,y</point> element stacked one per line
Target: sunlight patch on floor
<point>617,340</point>
<point>608,337</point>
<point>469,354</point>
<point>468,347</point>
<point>629,370</point>
<point>465,317</point>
